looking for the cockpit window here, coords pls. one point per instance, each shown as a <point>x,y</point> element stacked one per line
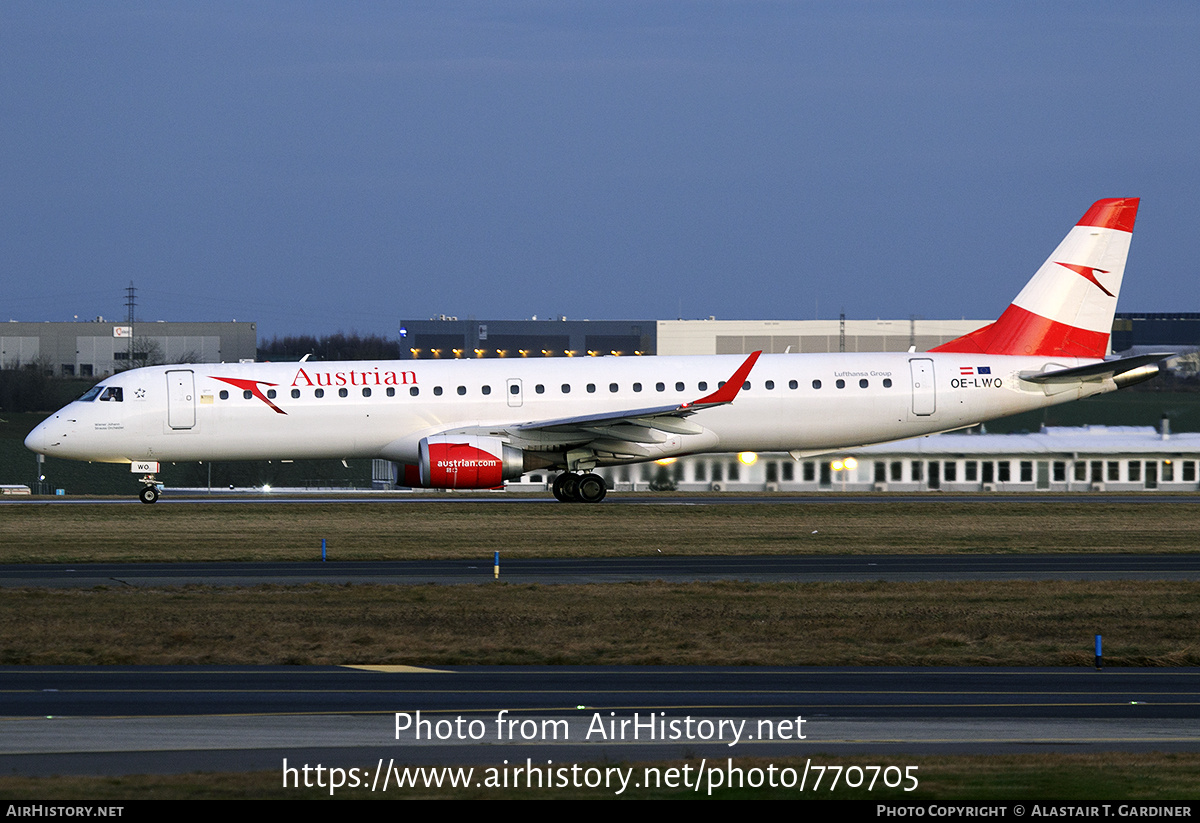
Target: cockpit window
<point>90,394</point>
<point>112,393</point>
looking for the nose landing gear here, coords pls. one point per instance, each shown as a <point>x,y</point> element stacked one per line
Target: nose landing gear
<point>149,492</point>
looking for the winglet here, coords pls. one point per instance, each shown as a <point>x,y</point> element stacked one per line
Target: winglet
<point>726,393</point>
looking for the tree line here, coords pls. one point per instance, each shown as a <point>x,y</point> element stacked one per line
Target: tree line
<point>339,346</point>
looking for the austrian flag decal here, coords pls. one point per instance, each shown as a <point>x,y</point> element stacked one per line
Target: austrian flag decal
<point>964,370</point>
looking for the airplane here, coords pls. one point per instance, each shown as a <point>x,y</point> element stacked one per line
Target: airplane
<point>473,424</point>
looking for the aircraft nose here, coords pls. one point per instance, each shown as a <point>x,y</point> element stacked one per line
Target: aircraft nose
<point>36,440</point>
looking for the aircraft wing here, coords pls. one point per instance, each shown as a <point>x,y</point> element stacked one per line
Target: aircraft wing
<point>1131,369</point>
<point>627,432</point>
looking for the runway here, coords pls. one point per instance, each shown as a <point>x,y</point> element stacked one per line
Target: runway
<point>115,720</point>
<point>763,569</point>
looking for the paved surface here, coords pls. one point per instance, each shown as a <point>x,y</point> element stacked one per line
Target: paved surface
<point>113,720</point>
<point>814,568</point>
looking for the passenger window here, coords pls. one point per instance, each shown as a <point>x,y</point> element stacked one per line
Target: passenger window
<point>319,393</point>
<point>462,390</point>
<point>247,394</point>
<point>539,388</point>
<point>414,391</point>
<point>841,384</point>
<point>792,384</point>
<point>887,382</point>
<point>343,392</point>
<point>679,386</point>
<point>770,384</point>
<point>566,388</point>
<point>862,384</point>
<point>637,386</point>
<point>437,391</point>
<point>816,384</point>
<point>270,394</point>
<point>224,395</point>
<point>703,385</point>
<point>514,389</point>
<point>660,387</point>
<point>366,392</point>
<point>591,387</point>
<point>612,387</point>
<point>746,386</point>
<point>486,390</point>
<point>391,392</point>
<point>295,394</point>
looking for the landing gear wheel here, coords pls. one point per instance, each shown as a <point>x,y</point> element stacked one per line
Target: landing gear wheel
<point>591,488</point>
<point>560,487</point>
<point>570,488</point>
<point>148,494</point>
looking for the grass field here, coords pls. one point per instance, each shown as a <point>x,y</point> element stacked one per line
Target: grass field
<point>33,533</point>
<point>719,624</point>
<point>934,623</point>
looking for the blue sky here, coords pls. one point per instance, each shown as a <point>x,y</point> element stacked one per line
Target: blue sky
<point>340,166</point>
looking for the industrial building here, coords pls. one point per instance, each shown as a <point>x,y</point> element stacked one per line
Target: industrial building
<point>1169,331</point>
<point>451,338</point>
<point>101,347</point>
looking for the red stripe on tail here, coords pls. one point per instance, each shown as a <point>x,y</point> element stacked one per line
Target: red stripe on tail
<point>1022,332</point>
<point>1113,213</point>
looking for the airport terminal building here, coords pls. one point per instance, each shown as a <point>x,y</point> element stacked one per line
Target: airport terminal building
<point>1056,459</point>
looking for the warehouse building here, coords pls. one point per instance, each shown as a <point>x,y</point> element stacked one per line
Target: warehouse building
<point>99,348</point>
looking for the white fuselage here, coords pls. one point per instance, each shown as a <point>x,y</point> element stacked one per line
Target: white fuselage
<point>250,411</point>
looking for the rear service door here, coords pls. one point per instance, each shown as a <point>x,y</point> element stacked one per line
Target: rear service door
<point>924,396</point>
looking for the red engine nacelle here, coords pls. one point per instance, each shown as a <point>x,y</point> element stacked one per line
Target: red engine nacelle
<point>464,462</point>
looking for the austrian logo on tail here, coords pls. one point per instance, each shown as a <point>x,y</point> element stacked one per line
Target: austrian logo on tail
<point>251,386</point>
<point>1089,274</point>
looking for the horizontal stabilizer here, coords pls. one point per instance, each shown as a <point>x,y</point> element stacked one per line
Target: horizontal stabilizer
<point>1146,366</point>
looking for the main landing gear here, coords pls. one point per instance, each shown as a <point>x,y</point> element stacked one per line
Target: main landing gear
<point>579,488</point>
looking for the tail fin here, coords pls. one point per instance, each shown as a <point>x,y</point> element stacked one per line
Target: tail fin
<point>1067,308</point>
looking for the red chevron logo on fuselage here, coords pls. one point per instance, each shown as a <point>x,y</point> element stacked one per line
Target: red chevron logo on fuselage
<point>1088,273</point>
<point>251,386</point>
